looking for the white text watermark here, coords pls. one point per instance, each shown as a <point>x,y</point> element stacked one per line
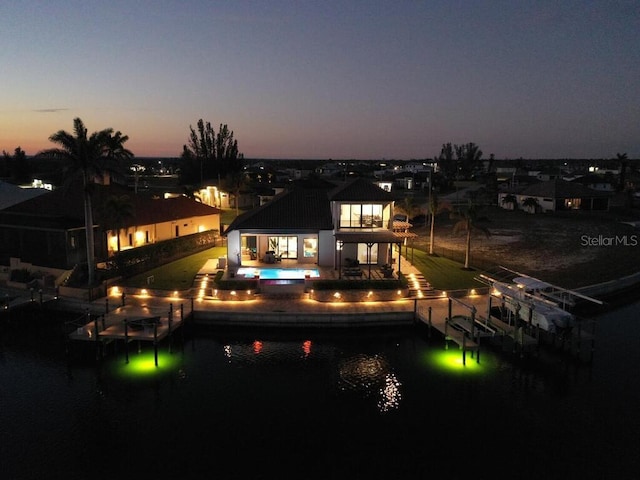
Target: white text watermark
<point>614,241</point>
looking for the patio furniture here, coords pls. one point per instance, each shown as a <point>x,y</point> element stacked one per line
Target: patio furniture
<point>352,272</point>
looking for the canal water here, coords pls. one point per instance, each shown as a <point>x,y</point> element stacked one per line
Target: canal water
<point>345,404</point>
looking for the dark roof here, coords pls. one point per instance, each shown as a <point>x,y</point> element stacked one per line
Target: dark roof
<point>591,179</point>
<point>560,189</point>
<point>295,209</point>
<point>65,207</point>
<point>307,206</point>
<point>360,190</point>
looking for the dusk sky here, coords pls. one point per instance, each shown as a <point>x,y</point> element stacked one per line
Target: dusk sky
<point>327,79</point>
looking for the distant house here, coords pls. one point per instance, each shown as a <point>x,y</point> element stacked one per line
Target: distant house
<point>11,194</point>
<point>556,195</point>
<point>595,182</point>
<point>48,231</point>
<point>320,224</point>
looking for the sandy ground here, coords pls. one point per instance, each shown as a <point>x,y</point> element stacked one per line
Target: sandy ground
<point>571,249</point>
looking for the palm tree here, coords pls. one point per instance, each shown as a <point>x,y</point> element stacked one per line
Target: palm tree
<point>408,207</point>
<point>235,181</point>
<point>435,207</point>
<point>87,156</point>
<point>624,161</point>
<point>117,209</point>
<point>531,203</point>
<point>510,199</point>
<point>467,221</point>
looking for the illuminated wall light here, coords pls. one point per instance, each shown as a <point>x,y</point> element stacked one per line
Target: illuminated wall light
<point>369,294</point>
<point>233,293</point>
<point>399,292</point>
<point>144,292</point>
<point>473,291</point>
<point>337,295</point>
<point>444,294</point>
<point>115,291</point>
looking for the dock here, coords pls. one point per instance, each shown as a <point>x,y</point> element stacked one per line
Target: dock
<point>128,323</point>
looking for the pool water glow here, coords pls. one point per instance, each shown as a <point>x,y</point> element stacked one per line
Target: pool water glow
<point>278,273</point>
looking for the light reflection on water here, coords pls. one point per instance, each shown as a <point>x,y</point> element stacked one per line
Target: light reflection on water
<point>232,402</point>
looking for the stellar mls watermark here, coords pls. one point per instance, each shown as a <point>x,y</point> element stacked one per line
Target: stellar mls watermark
<point>612,241</point>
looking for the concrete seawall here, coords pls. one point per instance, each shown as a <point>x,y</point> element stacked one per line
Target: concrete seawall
<point>612,286</point>
<point>302,319</point>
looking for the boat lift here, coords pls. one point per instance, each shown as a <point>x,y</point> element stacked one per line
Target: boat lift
<point>525,292</point>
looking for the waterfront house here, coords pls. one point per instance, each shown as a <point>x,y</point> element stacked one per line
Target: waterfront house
<point>48,231</point>
<point>321,223</point>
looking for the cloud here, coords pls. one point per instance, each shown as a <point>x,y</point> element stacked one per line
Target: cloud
<point>50,110</point>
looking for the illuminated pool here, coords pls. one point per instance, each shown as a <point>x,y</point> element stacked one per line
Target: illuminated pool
<point>278,273</point>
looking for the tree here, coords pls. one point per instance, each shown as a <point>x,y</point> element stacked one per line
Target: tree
<point>468,222</point>
<point>16,167</point>
<point>624,162</point>
<point>435,207</point>
<point>209,154</point>
<point>117,209</point>
<point>235,182</point>
<point>87,156</point>
<point>446,162</point>
<point>408,207</point>
<point>510,199</point>
<point>531,204</point>
<point>468,157</point>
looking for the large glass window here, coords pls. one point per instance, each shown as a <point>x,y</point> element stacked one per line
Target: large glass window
<point>286,247</point>
<point>362,215</point>
<point>310,247</point>
<point>363,251</point>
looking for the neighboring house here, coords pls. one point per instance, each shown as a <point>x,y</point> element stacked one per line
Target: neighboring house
<point>48,231</point>
<point>156,219</point>
<point>595,182</point>
<point>11,194</point>
<point>556,195</point>
<point>319,224</point>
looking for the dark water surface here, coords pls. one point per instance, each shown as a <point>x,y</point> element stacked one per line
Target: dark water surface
<point>295,404</point>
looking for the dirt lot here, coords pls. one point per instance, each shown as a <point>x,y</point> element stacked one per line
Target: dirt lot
<point>569,249</point>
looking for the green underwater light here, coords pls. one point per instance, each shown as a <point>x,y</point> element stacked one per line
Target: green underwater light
<point>144,364</point>
<point>452,361</point>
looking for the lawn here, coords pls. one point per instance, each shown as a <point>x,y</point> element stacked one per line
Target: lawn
<point>442,273</point>
<point>177,275</point>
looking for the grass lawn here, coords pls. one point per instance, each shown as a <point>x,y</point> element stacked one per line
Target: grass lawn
<point>444,274</point>
<point>176,275</point>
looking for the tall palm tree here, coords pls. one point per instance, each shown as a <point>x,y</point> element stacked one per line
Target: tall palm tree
<point>87,156</point>
<point>531,203</point>
<point>468,222</point>
<point>435,207</point>
<point>235,181</point>
<point>408,207</point>
<point>117,209</point>
<point>510,199</point>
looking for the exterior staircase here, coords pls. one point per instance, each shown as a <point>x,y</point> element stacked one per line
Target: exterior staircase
<point>419,287</point>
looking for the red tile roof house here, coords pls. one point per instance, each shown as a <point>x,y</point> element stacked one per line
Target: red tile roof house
<point>47,233</point>
<point>324,225</point>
